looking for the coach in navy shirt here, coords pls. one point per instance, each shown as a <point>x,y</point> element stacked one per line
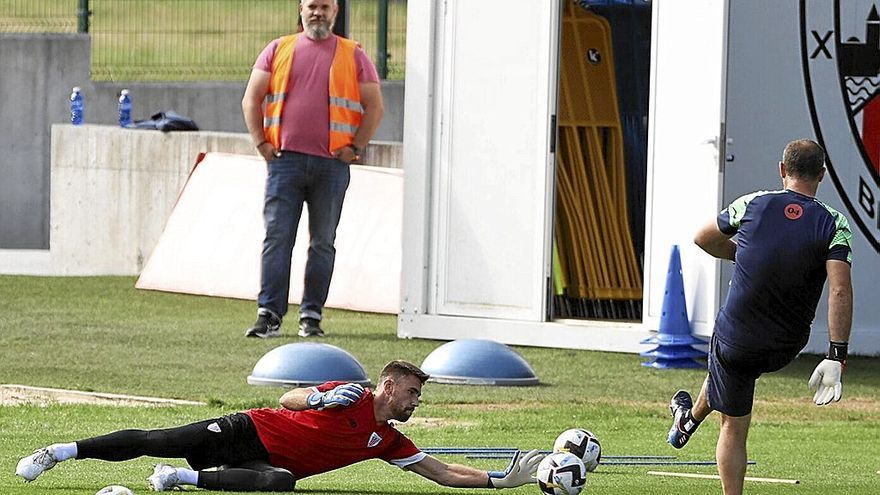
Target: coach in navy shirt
<point>787,243</point>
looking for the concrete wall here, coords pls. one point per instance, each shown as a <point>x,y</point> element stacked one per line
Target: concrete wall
<point>113,190</point>
<point>35,81</point>
<point>38,73</point>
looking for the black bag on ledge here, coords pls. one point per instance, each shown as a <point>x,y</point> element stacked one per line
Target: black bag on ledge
<point>166,121</point>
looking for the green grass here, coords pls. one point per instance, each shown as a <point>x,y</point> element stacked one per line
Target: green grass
<point>192,40</point>
<point>101,334</point>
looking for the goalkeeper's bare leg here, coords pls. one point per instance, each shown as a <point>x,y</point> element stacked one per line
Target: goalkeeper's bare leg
<point>730,452</point>
<point>701,405</point>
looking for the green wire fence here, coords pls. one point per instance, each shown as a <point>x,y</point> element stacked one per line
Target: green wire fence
<point>213,40</point>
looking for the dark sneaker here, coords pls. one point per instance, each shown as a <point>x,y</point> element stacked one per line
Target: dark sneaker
<point>310,327</point>
<point>683,424</point>
<point>268,325</point>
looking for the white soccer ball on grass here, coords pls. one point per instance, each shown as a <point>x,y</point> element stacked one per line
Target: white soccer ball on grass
<point>582,443</point>
<point>561,473</point>
<point>114,490</point>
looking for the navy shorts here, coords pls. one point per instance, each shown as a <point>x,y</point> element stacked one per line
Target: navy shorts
<point>733,371</point>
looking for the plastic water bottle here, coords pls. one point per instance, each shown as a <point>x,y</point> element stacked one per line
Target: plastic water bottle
<point>124,109</point>
<point>76,106</point>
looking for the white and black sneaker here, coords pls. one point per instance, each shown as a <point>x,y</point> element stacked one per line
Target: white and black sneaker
<point>268,325</point>
<point>683,423</point>
<point>34,465</point>
<point>310,327</point>
<point>164,478</point>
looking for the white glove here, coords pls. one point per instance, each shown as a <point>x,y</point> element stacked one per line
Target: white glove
<point>826,380</point>
<point>519,472</point>
<point>342,395</point>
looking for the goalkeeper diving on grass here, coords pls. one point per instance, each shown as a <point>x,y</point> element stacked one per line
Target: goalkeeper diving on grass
<point>316,430</point>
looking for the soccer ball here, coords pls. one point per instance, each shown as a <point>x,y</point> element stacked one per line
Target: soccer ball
<point>581,443</point>
<point>114,490</point>
<point>561,473</point>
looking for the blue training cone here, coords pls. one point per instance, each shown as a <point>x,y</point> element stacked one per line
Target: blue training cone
<point>674,339</point>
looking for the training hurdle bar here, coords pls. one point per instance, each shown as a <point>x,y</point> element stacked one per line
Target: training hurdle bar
<point>716,477</point>
<point>502,452</point>
<point>610,460</point>
<point>635,461</point>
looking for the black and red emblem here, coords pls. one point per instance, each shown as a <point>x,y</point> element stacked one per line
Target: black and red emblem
<point>840,47</point>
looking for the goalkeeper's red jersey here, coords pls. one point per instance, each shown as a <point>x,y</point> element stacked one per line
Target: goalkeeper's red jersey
<point>312,442</point>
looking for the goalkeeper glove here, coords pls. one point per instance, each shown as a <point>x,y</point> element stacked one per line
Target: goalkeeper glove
<point>826,377</point>
<point>826,380</point>
<point>518,473</point>
<point>342,395</point>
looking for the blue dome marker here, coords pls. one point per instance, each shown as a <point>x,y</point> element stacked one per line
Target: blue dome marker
<point>307,364</point>
<point>478,362</point>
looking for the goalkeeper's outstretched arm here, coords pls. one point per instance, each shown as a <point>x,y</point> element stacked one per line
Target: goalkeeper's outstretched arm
<point>518,473</point>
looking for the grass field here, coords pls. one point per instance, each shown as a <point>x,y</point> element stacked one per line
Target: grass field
<point>100,334</point>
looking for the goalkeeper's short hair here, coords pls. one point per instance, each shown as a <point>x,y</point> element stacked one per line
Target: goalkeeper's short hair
<point>399,368</point>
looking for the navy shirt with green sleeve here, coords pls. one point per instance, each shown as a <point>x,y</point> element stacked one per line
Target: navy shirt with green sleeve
<point>783,240</point>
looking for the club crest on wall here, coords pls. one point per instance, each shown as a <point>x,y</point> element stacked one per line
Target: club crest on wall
<point>840,49</point>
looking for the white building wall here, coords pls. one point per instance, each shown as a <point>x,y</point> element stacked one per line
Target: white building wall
<point>715,130</point>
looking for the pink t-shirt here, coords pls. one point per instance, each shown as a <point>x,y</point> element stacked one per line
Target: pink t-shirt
<point>305,118</point>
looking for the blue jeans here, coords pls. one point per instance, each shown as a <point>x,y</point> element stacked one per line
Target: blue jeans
<point>321,183</point>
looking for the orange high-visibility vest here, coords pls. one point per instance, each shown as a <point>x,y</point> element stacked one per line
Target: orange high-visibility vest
<point>345,93</point>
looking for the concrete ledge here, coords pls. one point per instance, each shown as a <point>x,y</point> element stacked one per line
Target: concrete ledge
<point>113,189</point>
<point>384,154</point>
<point>25,262</point>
